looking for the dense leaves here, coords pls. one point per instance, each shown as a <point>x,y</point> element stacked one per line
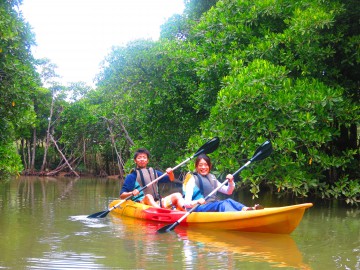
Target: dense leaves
<point>150,88</point>
<point>300,100</point>
<point>18,80</point>
<point>299,116</point>
<point>244,71</point>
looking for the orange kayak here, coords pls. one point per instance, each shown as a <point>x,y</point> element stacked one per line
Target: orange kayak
<point>280,220</point>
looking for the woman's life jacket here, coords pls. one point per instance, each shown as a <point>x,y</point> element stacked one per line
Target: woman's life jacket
<point>204,185</point>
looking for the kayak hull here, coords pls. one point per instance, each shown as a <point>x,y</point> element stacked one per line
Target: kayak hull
<point>280,220</point>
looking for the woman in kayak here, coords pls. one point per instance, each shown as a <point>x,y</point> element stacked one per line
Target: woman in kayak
<point>198,185</point>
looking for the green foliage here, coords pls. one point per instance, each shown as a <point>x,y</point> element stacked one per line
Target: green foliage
<point>78,123</point>
<point>248,71</point>
<point>10,162</point>
<point>261,101</point>
<point>297,97</point>
<point>18,80</point>
<point>194,9</point>
<point>149,87</point>
<point>244,71</point>
<point>344,188</point>
<point>305,36</point>
<point>178,27</point>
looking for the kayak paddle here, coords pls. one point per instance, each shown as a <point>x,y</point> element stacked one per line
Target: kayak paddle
<point>261,153</point>
<point>207,148</point>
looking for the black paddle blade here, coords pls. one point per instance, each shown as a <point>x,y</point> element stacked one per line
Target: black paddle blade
<point>101,214</point>
<point>263,151</point>
<point>208,147</point>
<point>166,228</point>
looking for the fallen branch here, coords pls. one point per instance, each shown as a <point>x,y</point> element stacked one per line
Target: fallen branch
<point>63,156</point>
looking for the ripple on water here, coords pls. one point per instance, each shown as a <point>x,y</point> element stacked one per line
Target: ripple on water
<point>67,260</point>
<point>89,222</point>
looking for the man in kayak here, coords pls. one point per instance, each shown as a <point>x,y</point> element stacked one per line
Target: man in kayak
<point>198,185</point>
<point>142,176</point>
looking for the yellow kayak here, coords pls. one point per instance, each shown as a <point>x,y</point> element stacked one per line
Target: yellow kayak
<point>281,220</point>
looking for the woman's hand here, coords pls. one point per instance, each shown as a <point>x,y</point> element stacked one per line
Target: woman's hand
<point>135,192</point>
<point>230,177</point>
<point>194,203</point>
<point>201,201</point>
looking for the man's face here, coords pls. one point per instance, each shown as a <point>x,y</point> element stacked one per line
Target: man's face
<point>141,161</point>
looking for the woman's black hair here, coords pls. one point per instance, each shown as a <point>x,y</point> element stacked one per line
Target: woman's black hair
<point>205,157</point>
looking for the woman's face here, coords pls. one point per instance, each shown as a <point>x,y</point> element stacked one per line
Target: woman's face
<point>141,161</point>
<point>202,167</point>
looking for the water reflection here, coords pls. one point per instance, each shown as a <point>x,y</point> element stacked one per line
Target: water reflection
<point>30,189</point>
<point>144,248</point>
<point>44,225</point>
<point>278,250</point>
<point>203,248</point>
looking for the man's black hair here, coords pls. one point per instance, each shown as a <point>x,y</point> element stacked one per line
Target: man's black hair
<point>142,151</point>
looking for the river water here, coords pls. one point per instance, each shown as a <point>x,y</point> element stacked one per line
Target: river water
<point>44,225</point>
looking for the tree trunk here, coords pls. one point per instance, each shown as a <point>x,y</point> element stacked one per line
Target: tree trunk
<point>32,166</point>
<point>130,141</point>
<point>84,153</point>
<point>29,153</point>
<point>47,140</point>
<point>118,154</point>
<point>24,154</point>
<point>63,156</point>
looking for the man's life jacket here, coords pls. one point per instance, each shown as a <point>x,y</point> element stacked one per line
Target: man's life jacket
<point>204,185</point>
<point>144,177</point>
